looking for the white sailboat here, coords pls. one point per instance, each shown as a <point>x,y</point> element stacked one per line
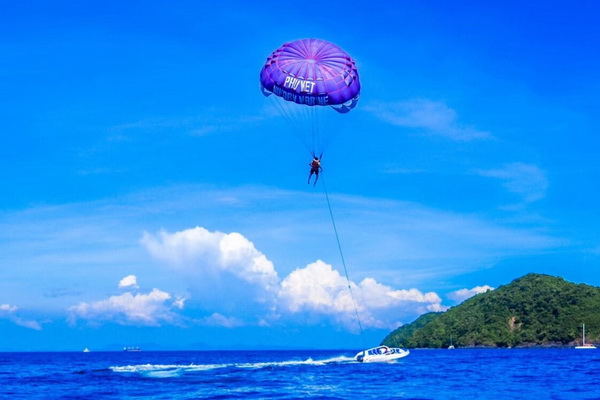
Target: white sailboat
<point>451,347</point>
<point>585,345</point>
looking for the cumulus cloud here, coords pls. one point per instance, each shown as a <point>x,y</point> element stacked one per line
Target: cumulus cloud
<point>463,294</point>
<point>526,180</point>
<point>140,309</point>
<point>401,240</point>
<point>206,253</point>
<point>319,289</point>
<point>316,287</point>
<point>9,312</point>
<point>130,281</point>
<point>434,117</point>
<point>314,293</point>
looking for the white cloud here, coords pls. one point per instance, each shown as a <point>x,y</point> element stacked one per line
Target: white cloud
<point>463,294</point>
<point>217,319</point>
<point>207,253</point>
<point>27,323</point>
<point>9,312</point>
<point>210,120</point>
<point>402,245</point>
<point>130,281</point>
<point>527,180</point>
<point>316,292</point>
<point>435,117</point>
<point>151,309</point>
<point>401,239</point>
<point>316,287</point>
<point>320,289</point>
<point>179,303</point>
<point>7,308</point>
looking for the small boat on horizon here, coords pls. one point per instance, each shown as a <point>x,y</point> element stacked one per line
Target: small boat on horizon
<point>132,348</point>
<point>381,354</point>
<point>86,350</point>
<point>584,345</point>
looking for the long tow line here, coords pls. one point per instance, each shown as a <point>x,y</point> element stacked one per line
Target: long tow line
<point>337,237</point>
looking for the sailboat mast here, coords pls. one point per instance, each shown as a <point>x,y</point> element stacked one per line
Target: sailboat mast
<point>584,334</point>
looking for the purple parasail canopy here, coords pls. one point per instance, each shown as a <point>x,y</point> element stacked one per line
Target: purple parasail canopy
<point>313,72</point>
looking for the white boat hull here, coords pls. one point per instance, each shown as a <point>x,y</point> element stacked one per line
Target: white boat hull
<point>586,347</point>
<point>381,354</point>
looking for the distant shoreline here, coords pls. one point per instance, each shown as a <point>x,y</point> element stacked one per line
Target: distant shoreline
<point>541,347</point>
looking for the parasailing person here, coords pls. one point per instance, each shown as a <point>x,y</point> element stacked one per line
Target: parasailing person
<point>315,168</point>
<point>305,79</point>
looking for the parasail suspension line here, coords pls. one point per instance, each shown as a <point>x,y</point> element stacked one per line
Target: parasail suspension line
<point>337,237</point>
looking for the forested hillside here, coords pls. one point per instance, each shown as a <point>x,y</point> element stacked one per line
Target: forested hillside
<point>534,310</point>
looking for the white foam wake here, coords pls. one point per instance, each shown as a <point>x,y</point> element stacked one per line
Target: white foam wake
<point>170,370</point>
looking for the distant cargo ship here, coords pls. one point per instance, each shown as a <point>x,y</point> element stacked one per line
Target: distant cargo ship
<point>131,349</point>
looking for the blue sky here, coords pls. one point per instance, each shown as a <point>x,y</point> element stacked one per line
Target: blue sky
<point>151,195</point>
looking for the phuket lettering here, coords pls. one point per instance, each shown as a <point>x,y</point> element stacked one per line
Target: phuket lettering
<point>294,83</point>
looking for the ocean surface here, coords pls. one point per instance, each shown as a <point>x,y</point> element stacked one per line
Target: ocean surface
<point>425,374</point>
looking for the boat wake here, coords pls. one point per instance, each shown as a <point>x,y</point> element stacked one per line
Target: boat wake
<point>174,370</point>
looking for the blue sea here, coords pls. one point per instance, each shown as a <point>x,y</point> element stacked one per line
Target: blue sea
<point>425,374</point>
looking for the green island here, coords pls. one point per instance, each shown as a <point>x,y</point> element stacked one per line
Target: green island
<point>532,311</point>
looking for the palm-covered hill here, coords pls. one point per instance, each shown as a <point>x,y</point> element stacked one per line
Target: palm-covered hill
<point>534,310</point>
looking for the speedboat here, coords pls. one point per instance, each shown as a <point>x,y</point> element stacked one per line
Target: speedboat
<point>381,354</point>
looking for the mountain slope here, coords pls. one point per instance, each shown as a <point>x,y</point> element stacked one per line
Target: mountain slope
<point>534,310</point>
